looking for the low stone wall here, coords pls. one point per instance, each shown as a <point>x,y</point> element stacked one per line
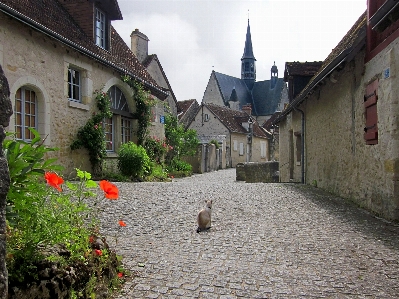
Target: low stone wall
<point>258,172</point>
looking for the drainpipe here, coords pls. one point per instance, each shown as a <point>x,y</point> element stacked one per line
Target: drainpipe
<point>302,144</point>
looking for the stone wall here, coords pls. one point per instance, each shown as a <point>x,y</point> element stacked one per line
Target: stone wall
<point>5,113</point>
<point>254,172</point>
<point>337,157</point>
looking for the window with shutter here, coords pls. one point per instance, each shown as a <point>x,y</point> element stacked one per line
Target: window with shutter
<point>370,105</point>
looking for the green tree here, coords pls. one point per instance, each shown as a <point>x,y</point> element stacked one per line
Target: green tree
<point>183,142</point>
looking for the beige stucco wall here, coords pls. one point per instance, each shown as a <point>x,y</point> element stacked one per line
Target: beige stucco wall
<point>33,60</point>
<point>212,93</point>
<point>336,155</point>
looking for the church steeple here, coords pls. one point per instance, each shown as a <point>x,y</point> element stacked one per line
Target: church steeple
<point>248,69</point>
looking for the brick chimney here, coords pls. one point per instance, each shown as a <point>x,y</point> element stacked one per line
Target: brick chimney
<point>247,108</point>
<point>139,45</point>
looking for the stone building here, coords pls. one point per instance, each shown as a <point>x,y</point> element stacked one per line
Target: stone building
<point>265,97</point>
<point>186,111</point>
<point>341,132</point>
<point>239,134</point>
<point>56,54</point>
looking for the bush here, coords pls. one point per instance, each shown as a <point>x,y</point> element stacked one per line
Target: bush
<point>133,160</point>
<point>179,165</point>
<point>156,149</point>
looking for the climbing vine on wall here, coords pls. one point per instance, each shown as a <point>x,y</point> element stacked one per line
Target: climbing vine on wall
<point>144,103</point>
<point>91,135</point>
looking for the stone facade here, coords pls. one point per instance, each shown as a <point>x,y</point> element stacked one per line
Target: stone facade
<point>5,113</point>
<point>37,62</point>
<point>238,147</point>
<point>336,155</point>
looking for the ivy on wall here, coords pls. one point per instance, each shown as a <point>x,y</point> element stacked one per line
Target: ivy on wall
<point>144,103</point>
<point>91,135</point>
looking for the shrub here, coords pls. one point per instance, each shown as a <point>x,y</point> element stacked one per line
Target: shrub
<point>133,160</point>
<point>156,148</point>
<point>179,165</point>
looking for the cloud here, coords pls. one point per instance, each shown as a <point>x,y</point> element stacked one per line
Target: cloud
<point>177,47</point>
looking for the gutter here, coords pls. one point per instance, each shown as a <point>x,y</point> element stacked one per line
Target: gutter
<point>38,27</point>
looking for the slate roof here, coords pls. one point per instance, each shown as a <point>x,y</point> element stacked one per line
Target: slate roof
<point>52,19</point>
<point>346,49</point>
<point>248,52</point>
<point>263,98</point>
<point>186,111</point>
<point>233,119</point>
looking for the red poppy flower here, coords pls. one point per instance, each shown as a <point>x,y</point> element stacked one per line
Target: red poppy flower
<point>98,252</point>
<point>54,180</point>
<point>110,190</point>
<point>91,239</point>
<point>120,274</point>
<point>122,223</point>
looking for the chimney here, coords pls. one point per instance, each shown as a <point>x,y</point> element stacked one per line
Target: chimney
<point>247,108</point>
<point>139,45</point>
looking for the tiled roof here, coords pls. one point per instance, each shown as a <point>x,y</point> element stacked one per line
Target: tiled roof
<point>182,106</point>
<point>297,68</point>
<point>263,98</point>
<point>233,119</point>
<point>51,18</point>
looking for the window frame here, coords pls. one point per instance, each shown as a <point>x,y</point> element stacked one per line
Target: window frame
<point>100,26</point>
<point>23,114</point>
<point>71,91</point>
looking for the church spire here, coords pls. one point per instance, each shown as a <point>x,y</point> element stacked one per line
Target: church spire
<point>248,69</point>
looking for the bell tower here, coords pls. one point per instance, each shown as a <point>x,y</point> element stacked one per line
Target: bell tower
<point>248,69</point>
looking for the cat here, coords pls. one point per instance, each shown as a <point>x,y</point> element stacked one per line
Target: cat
<point>204,217</point>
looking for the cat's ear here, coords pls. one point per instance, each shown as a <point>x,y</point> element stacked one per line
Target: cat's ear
<point>211,200</point>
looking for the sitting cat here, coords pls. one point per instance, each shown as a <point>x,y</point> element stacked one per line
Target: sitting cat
<point>204,217</point>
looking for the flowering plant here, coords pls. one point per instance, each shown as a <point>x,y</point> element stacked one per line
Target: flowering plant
<point>49,213</point>
<point>156,148</point>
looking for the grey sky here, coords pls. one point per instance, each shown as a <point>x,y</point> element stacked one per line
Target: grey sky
<point>192,37</point>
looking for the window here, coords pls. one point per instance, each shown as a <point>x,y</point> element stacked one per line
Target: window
<point>263,149</point>
<point>235,145</point>
<point>121,115</point>
<point>126,129</point>
<point>109,134</point>
<point>241,149</point>
<point>206,117</point>
<point>370,105</point>
<point>100,28</point>
<point>74,85</point>
<point>25,113</point>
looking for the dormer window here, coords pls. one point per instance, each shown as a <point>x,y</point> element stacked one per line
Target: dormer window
<point>100,29</point>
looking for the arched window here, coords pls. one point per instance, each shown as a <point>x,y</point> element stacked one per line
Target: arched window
<point>25,113</point>
<point>118,129</point>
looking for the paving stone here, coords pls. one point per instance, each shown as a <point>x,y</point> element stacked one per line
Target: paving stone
<point>266,241</point>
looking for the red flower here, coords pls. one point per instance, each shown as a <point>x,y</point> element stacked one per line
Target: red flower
<point>122,223</point>
<point>98,252</point>
<point>120,274</point>
<point>54,180</point>
<point>110,190</point>
<point>91,239</point>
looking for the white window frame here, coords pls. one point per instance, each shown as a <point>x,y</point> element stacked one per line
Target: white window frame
<point>235,146</point>
<point>263,149</point>
<point>25,114</point>
<point>100,28</point>
<point>74,88</point>
<point>241,149</point>
<point>126,129</point>
<point>109,130</point>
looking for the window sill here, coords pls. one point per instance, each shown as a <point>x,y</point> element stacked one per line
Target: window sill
<point>112,155</point>
<point>78,105</point>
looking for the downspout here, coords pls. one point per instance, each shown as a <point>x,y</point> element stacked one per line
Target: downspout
<point>302,144</point>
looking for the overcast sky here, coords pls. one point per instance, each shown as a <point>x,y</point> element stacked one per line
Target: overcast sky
<point>193,37</point>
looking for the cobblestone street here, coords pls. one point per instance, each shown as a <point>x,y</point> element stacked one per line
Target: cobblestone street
<point>266,241</point>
